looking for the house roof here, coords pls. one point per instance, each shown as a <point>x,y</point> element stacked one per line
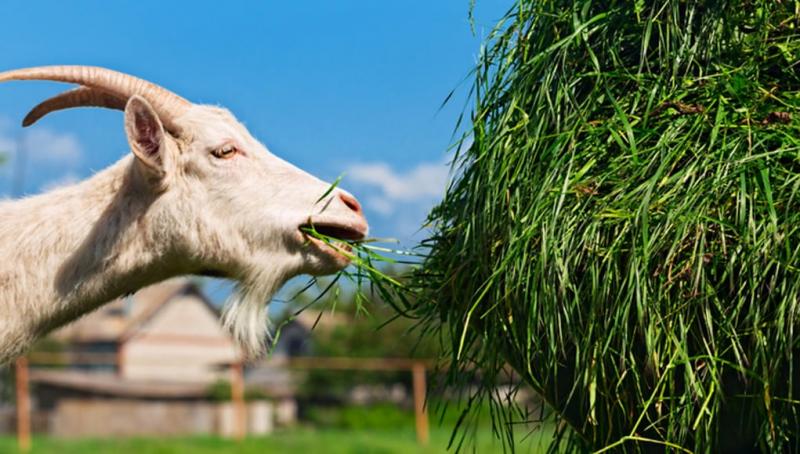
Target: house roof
<point>119,319</point>
<point>112,385</point>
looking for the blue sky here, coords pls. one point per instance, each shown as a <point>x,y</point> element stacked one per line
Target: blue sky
<point>351,87</point>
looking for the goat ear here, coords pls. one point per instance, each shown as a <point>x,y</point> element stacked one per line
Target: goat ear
<point>145,133</point>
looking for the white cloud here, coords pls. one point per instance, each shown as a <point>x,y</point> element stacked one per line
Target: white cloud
<point>53,158</point>
<point>424,181</point>
<point>7,143</point>
<point>42,145</point>
<point>52,147</point>
<point>420,185</point>
<point>380,204</point>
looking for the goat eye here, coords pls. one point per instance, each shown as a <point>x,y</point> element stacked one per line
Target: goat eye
<point>225,152</point>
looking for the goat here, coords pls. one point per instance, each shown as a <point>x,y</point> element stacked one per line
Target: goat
<point>197,195</point>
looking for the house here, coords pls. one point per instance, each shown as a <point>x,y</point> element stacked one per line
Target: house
<point>169,331</point>
<point>153,357</point>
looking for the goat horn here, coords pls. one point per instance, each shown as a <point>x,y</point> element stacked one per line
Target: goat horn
<point>77,97</point>
<point>168,105</point>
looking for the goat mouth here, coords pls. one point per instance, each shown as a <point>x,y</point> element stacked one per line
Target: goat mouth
<point>338,235</point>
<point>334,231</point>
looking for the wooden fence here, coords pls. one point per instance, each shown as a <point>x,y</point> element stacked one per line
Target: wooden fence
<point>417,368</point>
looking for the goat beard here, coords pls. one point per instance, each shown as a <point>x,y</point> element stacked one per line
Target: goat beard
<point>245,313</point>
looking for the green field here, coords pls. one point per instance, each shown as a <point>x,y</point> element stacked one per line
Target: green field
<point>298,440</point>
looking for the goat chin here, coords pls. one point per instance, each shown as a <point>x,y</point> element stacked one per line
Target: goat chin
<point>245,313</point>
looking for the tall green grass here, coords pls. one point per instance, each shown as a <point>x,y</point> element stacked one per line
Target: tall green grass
<point>624,224</point>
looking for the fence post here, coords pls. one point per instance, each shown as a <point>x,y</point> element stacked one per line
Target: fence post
<point>420,411</point>
<point>23,405</point>
<point>237,398</point>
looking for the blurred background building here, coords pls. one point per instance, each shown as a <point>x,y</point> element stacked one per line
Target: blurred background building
<point>162,359</point>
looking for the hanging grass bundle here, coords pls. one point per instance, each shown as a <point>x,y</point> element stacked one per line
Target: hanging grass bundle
<point>624,227</point>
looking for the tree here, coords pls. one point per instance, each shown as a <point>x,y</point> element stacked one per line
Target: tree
<point>360,325</point>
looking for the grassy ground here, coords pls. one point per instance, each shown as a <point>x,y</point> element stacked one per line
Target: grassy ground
<point>332,441</point>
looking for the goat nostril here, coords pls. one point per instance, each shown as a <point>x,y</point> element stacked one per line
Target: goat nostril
<point>351,202</point>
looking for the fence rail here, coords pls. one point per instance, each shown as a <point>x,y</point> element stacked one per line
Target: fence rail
<point>417,367</point>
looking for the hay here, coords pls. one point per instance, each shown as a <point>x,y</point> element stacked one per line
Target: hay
<point>624,228</point>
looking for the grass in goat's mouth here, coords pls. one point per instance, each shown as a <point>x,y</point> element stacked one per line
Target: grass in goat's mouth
<point>363,273</point>
<point>364,257</point>
<point>365,260</point>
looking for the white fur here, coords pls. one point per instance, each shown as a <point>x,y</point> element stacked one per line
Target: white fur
<point>69,251</point>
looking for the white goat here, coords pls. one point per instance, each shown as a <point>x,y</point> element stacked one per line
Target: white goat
<point>199,195</point>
